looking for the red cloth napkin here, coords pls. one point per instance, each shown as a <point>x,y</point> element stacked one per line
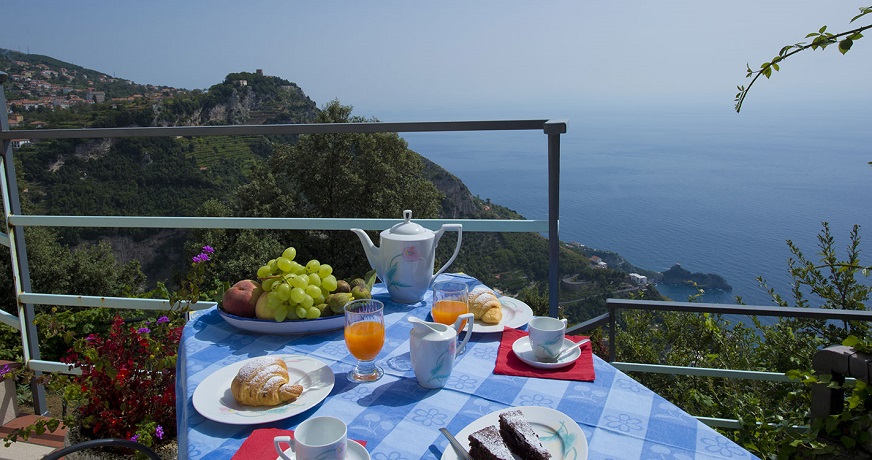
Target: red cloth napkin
<point>509,364</point>
<point>260,444</point>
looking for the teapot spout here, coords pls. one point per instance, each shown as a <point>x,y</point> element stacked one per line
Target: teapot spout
<point>371,250</point>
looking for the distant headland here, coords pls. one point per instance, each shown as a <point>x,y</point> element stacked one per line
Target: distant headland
<point>679,276</point>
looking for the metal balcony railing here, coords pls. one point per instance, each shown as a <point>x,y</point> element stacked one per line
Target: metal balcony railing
<point>610,321</point>
<point>16,221</point>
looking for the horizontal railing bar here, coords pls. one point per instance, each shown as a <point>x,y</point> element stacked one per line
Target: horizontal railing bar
<point>280,129</point>
<point>702,372</point>
<point>590,324</point>
<point>728,423</point>
<point>4,239</point>
<point>469,225</point>
<point>104,302</point>
<point>750,310</point>
<point>10,320</point>
<point>53,366</point>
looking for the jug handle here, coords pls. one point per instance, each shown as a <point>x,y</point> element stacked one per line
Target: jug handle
<point>459,229</point>
<point>469,317</point>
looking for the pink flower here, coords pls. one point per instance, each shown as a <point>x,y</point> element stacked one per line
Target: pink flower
<point>410,254</point>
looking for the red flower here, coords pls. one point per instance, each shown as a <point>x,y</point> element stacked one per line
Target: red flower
<point>128,378</point>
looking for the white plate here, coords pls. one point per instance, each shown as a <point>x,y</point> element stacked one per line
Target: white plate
<point>515,315</point>
<point>300,326</point>
<point>354,452</point>
<point>559,434</point>
<point>523,349</point>
<point>213,398</point>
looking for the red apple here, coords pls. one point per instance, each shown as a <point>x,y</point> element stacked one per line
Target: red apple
<point>241,298</point>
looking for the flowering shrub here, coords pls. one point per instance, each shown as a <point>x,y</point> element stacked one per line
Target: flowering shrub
<point>127,386</point>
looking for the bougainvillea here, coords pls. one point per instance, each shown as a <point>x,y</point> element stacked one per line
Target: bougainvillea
<point>127,386</point>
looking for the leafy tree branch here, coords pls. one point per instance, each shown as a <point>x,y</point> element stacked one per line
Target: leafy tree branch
<point>820,40</point>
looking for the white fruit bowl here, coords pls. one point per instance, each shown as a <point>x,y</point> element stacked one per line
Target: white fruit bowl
<point>300,326</point>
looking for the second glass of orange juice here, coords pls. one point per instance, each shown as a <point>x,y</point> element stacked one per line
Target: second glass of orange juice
<point>365,337</point>
<point>450,300</point>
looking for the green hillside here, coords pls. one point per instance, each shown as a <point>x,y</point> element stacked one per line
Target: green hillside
<point>231,176</point>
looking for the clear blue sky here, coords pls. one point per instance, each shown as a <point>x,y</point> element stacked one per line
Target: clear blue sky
<point>520,58</point>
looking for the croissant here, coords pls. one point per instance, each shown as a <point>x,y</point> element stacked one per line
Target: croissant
<point>264,381</point>
<point>483,303</point>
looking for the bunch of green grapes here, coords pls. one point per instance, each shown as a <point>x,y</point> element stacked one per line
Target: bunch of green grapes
<point>293,290</point>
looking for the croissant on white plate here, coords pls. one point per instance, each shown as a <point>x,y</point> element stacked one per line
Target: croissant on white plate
<point>483,303</point>
<point>264,381</point>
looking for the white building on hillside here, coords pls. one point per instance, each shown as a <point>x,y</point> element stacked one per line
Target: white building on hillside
<point>638,279</point>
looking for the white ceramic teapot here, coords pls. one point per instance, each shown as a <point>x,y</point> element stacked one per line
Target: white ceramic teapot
<point>405,258</point>
<point>433,349</point>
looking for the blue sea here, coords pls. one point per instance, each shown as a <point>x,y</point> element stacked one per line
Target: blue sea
<point>716,191</point>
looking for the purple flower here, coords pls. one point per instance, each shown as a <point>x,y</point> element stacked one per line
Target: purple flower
<point>208,249</point>
<point>4,370</point>
<point>134,438</point>
<point>143,330</point>
<point>163,319</point>
<point>159,432</point>
<point>202,257</point>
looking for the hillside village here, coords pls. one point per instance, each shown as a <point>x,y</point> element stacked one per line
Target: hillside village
<point>33,86</point>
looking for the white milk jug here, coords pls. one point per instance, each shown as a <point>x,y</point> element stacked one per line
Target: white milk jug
<point>434,348</point>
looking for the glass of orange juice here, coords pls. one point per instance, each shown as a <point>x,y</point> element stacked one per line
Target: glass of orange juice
<point>450,300</point>
<point>365,337</point>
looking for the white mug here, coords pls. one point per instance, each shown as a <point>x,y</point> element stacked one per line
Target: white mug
<point>546,337</point>
<point>318,438</point>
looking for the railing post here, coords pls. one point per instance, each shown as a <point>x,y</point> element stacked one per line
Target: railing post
<point>18,253</point>
<point>554,128</point>
<point>613,313</point>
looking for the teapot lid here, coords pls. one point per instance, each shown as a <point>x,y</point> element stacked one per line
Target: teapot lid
<point>407,227</point>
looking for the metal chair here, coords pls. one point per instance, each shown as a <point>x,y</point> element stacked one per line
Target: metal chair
<point>93,443</point>
<point>840,362</point>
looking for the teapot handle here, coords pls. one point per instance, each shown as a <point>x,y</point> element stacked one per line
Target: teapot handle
<point>439,233</point>
<point>469,318</point>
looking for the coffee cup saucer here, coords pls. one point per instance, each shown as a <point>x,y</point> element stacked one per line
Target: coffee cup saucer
<point>523,349</point>
<point>354,451</point>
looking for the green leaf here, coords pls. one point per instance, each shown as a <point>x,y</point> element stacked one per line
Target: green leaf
<point>845,45</point>
<point>370,279</point>
<point>850,341</point>
<point>823,29</point>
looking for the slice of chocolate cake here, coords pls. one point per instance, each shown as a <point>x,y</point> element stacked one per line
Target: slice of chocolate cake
<point>487,444</point>
<point>519,435</point>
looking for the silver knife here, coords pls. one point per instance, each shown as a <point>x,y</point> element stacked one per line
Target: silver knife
<point>461,452</point>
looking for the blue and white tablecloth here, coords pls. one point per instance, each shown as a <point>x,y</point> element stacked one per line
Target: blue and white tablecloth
<point>400,419</point>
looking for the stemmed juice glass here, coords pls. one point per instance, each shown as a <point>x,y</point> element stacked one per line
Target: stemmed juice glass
<point>365,337</point>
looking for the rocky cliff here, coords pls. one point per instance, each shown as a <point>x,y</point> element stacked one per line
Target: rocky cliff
<point>677,275</point>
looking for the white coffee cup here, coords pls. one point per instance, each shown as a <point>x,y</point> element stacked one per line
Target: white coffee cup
<point>319,438</point>
<point>546,337</point>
